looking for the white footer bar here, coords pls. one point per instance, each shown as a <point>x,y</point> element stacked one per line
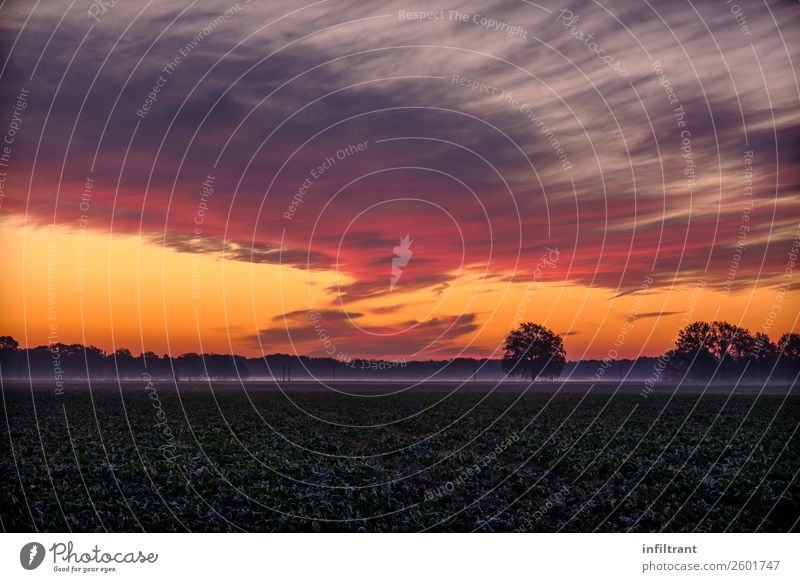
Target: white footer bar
<point>399,557</point>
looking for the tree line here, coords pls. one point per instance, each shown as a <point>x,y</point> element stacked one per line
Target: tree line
<point>702,352</point>
<point>79,362</point>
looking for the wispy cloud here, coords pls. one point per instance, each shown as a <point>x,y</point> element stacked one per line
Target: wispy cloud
<point>362,125</point>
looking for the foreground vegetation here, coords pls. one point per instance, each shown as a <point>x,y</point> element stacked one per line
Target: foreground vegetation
<point>149,459</point>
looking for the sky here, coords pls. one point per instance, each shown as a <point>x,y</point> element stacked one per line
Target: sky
<point>396,180</point>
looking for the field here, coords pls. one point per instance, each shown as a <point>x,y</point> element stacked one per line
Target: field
<point>144,456</point>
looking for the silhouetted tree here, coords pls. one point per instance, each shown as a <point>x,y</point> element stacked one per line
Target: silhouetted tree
<point>8,343</point>
<point>95,362</point>
<point>763,356</point>
<point>533,350</point>
<point>789,349</point>
<point>10,357</point>
<point>155,365</point>
<point>126,364</point>
<point>189,366</point>
<point>706,350</point>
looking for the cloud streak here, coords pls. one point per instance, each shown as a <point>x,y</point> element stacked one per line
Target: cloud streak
<point>465,129</point>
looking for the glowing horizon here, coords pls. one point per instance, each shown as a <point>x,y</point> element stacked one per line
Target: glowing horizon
<point>147,305</point>
<point>253,177</point>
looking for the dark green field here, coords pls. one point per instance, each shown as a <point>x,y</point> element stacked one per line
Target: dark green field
<point>430,459</point>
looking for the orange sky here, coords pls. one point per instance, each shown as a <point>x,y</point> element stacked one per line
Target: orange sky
<point>140,295</point>
<point>306,144</point>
